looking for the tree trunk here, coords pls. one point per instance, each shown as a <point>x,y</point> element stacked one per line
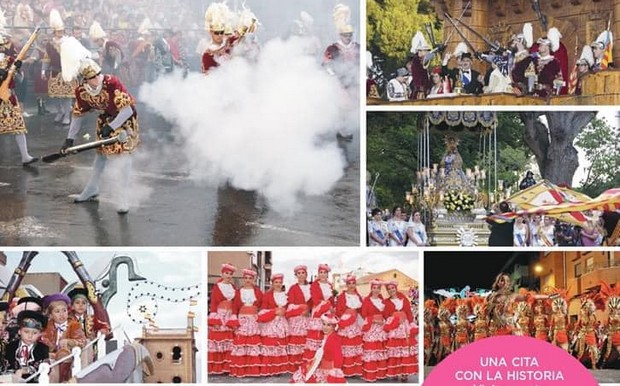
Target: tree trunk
<point>552,144</point>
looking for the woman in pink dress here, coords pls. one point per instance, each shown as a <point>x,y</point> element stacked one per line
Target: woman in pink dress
<point>221,322</point>
<point>321,292</point>
<point>400,362</point>
<point>274,329</point>
<point>245,355</point>
<point>326,364</point>
<point>348,309</point>
<point>374,359</point>
<point>299,305</point>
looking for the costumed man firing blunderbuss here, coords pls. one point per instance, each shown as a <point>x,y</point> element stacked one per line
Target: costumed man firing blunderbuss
<point>118,118</point>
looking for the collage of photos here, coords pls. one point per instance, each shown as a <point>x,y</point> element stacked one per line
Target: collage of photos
<point>201,191</point>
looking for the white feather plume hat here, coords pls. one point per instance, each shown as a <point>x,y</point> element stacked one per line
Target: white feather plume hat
<point>603,39</point>
<point>75,60</point>
<point>96,32</point>
<point>552,39</point>
<point>460,49</point>
<point>418,42</point>
<point>217,16</point>
<point>587,56</point>
<point>342,17</point>
<point>56,20</point>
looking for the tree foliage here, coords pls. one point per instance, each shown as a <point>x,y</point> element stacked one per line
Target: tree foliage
<point>599,141</point>
<point>392,23</point>
<point>392,140</point>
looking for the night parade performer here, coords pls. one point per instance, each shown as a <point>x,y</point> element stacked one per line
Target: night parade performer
<point>245,355</point>
<point>220,335</point>
<point>274,329</point>
<point>348,309</point>
<point>559,320</point>
<point>398,315</point>
<point>326,364</point>
<point>540,319</point>
<point>462,326</point>
<point>498,304</point>
<point>374,357</point>
<point>58,90</point>
<point>430,315</point>
<point>110,54</point>
<point>117,117</point>
<point>61,334</point>
<point>446,330</point>
<point>297,313</point>
<point>321,292</point>
<point>481,324</point>
<point>585,329</point>
<point>25,355</point>
<point>12,119</point>
<point>611,297</point>
<point>522,318</point>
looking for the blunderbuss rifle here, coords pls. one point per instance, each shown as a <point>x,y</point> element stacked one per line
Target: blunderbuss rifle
<point>5,90</point>
<point>122,137</point>
<point>539,15</point>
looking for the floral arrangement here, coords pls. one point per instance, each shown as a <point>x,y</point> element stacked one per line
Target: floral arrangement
<point>455,201</point>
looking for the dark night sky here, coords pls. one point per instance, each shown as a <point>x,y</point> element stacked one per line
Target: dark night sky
<point>477,269</point>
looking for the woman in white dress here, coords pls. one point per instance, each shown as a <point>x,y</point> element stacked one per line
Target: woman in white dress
<point>521,232</point>
<point>397,228</point>
<point>377,230</point>
<point>416,232</point>
<point>546,232</point>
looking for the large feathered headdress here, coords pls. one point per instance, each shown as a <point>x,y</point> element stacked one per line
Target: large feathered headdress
<point>96,32</point>
<point>342,18</point>
<point>56,21</point>
<point>216,17</point>
<point>75,60</point>
<point>552,39</point>
<point>418,42</point>
<point>587,56</point>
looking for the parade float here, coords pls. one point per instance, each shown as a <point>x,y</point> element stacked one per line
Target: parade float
<point>157,355</point>
<point>453,197</point>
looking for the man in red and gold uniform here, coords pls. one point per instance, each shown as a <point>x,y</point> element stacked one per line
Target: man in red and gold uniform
<point>111,54</point>
<point>57,88</point>
<point>11,119</point>
<point>118,114</point>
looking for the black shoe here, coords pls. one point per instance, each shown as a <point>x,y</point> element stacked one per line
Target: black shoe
<point>345,137</point>
<point>92,198</point>
<point>122,212</point>
<point>34,160</point>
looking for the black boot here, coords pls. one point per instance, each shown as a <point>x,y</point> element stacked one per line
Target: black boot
<point>40,107</point>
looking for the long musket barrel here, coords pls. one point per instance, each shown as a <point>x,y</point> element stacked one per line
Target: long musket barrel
<point>5,91</point>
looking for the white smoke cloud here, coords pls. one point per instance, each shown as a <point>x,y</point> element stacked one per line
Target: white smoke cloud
<point>267,126</point>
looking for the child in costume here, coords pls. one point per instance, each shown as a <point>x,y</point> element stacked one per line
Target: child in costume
<point>61,334</point>
<point>24,355</point>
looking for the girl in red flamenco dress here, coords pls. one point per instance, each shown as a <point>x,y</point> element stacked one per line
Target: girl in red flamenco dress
<point>274,329</point>
<point>245,355</point>
<point>326,365</point>
<point>348,309</point>
<point>374,358</point>
<point>321,292</point>
<point>400,362</point>
<point>221,322</point>
<point>297,313</point>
